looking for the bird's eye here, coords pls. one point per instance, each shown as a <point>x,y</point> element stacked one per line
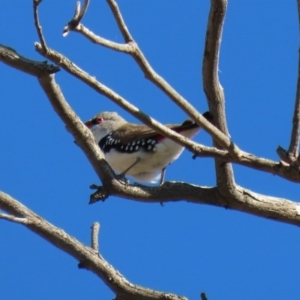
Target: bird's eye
<point>99,120</point>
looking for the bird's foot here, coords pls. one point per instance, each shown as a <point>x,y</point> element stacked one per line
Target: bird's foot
<point>121,177</point>
<point>100,195</point>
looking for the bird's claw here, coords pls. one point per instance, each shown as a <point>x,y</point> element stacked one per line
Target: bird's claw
<point>122,179</point>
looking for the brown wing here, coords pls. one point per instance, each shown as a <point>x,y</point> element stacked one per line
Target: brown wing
<point>139,132</point>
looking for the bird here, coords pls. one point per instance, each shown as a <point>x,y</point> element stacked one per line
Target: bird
<point>137,150</point>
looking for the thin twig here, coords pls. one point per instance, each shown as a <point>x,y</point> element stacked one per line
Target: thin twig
<point>95,236</point>
<point>78,15</point>
<point>295,134</point>
<point>14,219</point>
<point>37,23</point>
<point>125,48</point>
<point>120,21</point>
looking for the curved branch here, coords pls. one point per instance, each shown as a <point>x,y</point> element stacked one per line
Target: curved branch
<point>91,260</point>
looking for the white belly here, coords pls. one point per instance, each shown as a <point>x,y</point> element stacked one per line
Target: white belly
<point>150,166</point>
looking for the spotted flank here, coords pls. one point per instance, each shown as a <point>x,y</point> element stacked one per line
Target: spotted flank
<point>108,143</point>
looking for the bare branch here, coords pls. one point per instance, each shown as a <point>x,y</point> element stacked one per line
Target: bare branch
<point>213,89</point>
<point>95,236</point>
<point>242,200</point>
<point>126,48</point>
<point>92,261</point>
<point>119,19</point>
<point>295,134</point>
<point>82,134</point>
<point>78,15</point>
<point>37,23</point>
<point>10,57</point>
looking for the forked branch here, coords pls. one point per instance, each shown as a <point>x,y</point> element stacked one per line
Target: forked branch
<point>91,260</point>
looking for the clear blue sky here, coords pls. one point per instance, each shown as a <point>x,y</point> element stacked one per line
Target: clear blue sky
<point>180,248</point>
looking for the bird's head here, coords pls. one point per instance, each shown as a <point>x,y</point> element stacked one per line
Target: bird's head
<point>104,123</point>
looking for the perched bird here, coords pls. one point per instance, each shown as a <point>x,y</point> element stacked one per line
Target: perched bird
<point>137,150</point>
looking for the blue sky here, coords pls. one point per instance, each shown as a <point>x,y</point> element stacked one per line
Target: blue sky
<point>180,248</point>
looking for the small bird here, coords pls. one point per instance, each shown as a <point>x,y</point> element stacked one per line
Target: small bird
<point>137,150</point>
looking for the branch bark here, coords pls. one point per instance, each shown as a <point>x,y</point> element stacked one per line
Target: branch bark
<point>214,91</point>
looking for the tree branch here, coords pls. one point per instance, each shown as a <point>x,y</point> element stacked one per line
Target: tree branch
<point>214,90</point>
<point>78,15</point>
<point>92,261</point>
<point>294,143</point>
<point>95,236</point>
<point>37,23</point>
<point>10,57</point>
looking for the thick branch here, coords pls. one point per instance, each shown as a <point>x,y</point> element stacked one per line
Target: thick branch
<point>243,200</point>
<point>10,57</point>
